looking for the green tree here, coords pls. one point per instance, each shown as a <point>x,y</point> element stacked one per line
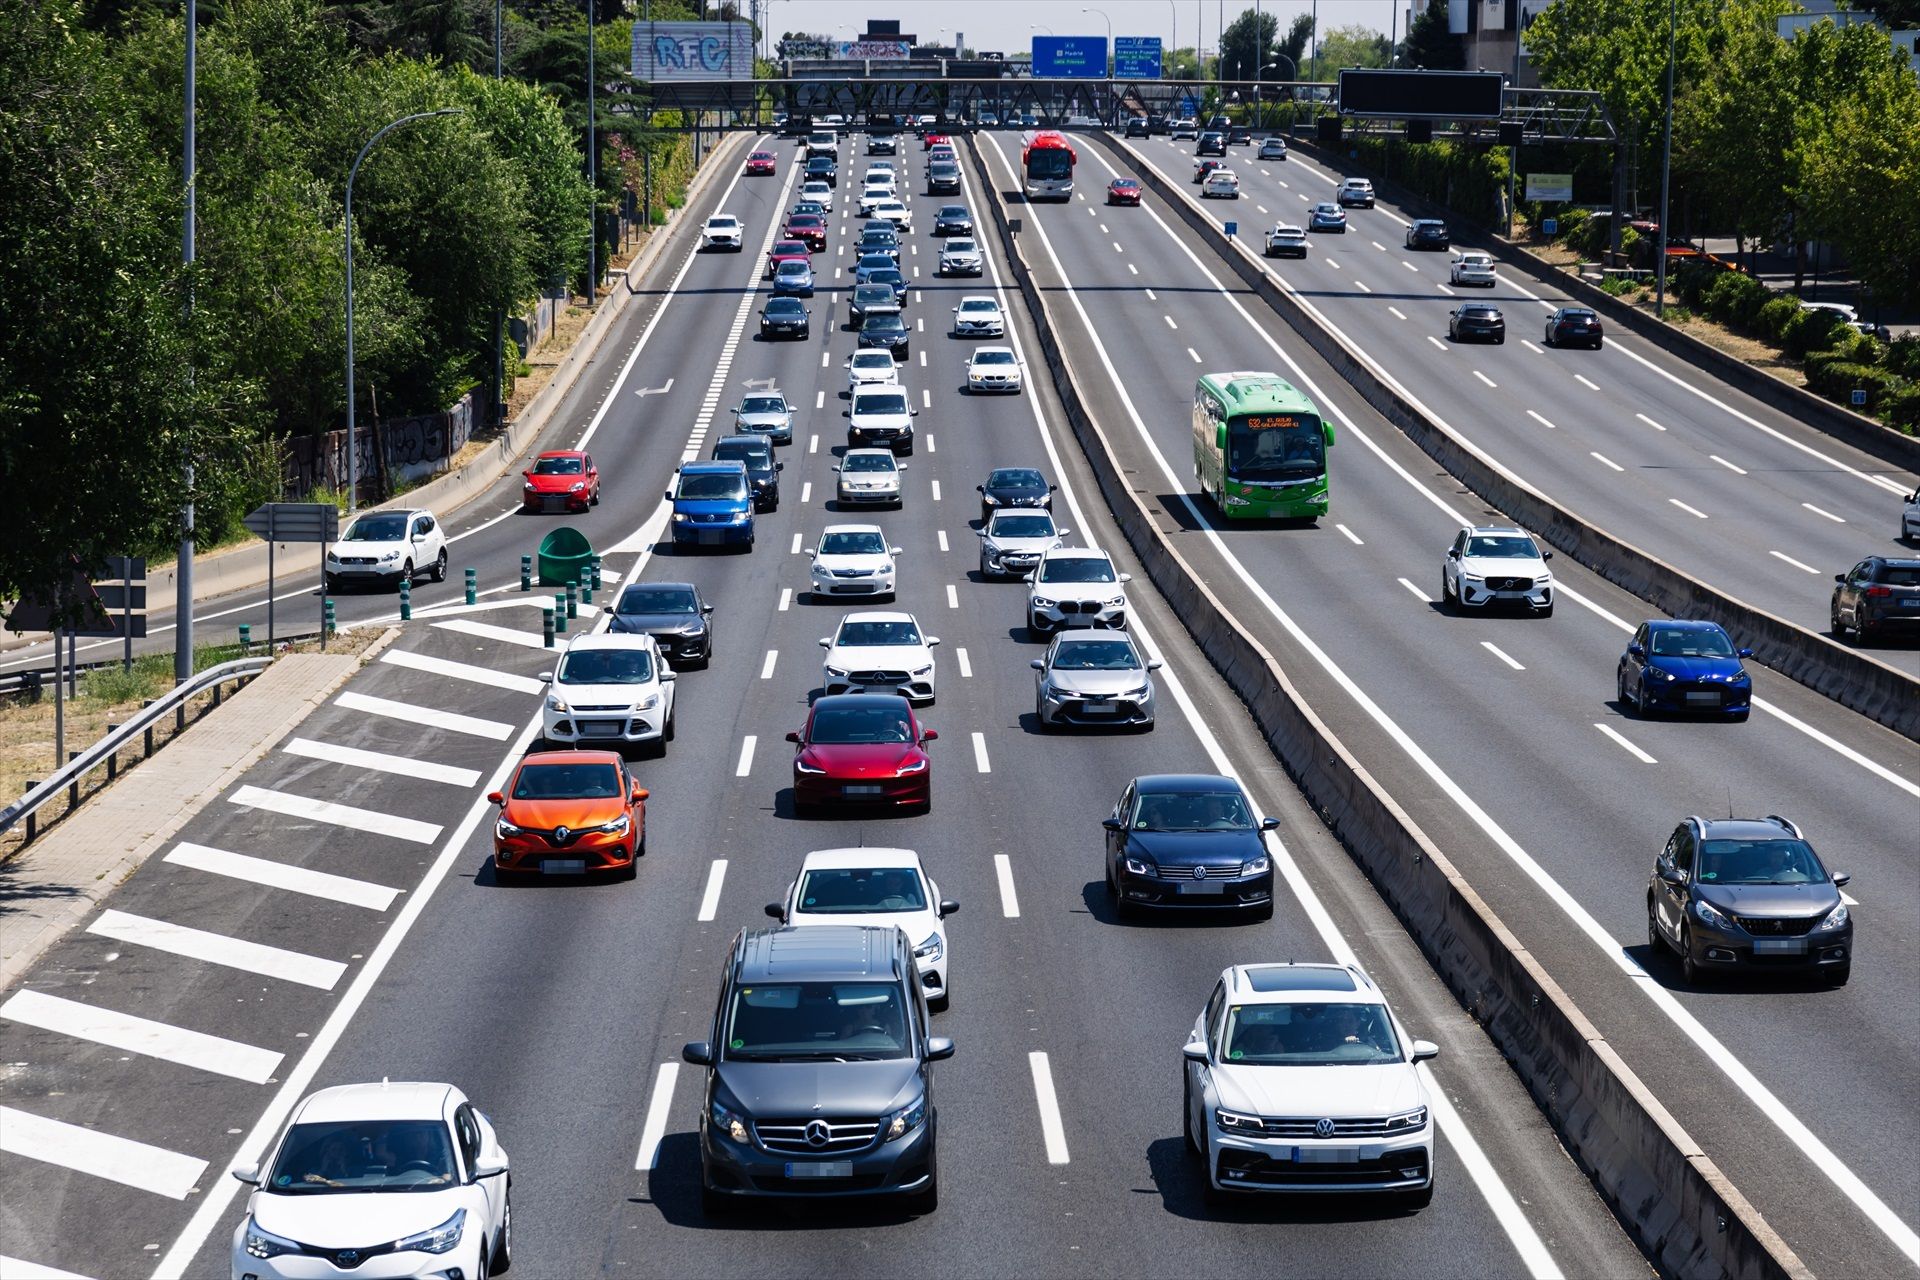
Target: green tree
<point>1734,131</point>
<point>1429,45</point>
<point>1353,46</point>
<point>1244,44</point>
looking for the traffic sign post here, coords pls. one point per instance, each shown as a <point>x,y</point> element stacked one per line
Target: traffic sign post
<point>1233,229</point>
<point>296,522</point>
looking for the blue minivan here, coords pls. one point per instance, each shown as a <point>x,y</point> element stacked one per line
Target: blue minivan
<point>712,505</point>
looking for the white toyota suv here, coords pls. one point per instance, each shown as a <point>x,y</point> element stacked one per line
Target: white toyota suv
<point>1300,1080</point>
<point>610,688</point>
<point>1075,587</point>
<point>853,560</point>
<point>1497,564</point>
<point>875,887</point>
<point>877,652</point>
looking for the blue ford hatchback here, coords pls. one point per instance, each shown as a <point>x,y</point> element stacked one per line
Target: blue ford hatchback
<point>1677,665</point>
<point>712,505</point>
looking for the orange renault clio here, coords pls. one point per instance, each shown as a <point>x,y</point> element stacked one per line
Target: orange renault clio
<point>568,813</point>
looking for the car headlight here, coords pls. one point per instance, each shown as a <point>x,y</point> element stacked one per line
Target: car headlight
<point>1114,602</point>
<point>1141,867</point>
<point>1256,866</point>
<point>1833,919</point>
<point>530,487</point>
<point>333,557</point>
<point>1141,692</point>
<point>930,948</point>
<point>1238,1122</point>
<point>681,517</point>
<point>390,555</point>
<point>915,766</point>
<point>836,672</point>
<point>556,703</point>
<point>1472,577</point>
<point>576,486</point>
<point>727,1122</point>
<point>923,671</point>
<point>1710,915</point>
<point>989,499</point>
<point>440,1239</point>
<point>504,829</point>
<point>647,703</point>
<point>261,1243</point>
<point>1660,673</point>
<point>801,765</point>
<point>907,1118</point>
<point>1042,602</point>
<point>618,827</point>
<point>1407,1121</point>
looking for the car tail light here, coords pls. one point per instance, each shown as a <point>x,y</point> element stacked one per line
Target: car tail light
<point>1879,592</point>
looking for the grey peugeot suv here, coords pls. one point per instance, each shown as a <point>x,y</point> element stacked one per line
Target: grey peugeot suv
<point>819,1081</point>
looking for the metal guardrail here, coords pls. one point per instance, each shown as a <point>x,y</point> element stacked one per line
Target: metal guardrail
<point>107,750</point>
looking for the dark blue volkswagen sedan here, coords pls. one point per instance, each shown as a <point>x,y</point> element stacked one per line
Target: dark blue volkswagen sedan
<point>1676,665</point>
<point>1188,840</point>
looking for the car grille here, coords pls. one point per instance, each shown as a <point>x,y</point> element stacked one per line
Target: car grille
<point>711,517</point>
<point>816,1137</point>
<point>358,560</point>
<point>1777,927</point>
<point>1510,584</point>
<point>853,573</point>
<point>1204,871</point>
<point>1079,606</point>
<point>1308,1127</point>
<point>877,677</point>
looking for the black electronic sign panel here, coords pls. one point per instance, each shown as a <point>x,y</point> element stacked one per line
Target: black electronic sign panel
<point>1435,95</point>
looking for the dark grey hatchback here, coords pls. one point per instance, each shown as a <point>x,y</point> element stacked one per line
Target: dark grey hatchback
<point>1187,840</point>
<point>680,622</point>
<point>818,1082</point>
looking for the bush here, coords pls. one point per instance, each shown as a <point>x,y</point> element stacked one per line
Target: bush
<point>1810,331</point>
<point>1619,286</point>
<point>1730,297</point>
<point>1902,408</point>
<point>1774,316</point>
<point>1837,379</point>
<point>1903,357</point>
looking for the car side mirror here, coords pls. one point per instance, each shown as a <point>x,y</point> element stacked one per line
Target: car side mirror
<point>494,797</point>
<point>705,609</point>
<point>834,467</point>
<point>1546,555</point>
<point>546,677</point>
<point>1673,875</point>
<point>1028,577</point>
<point>893,551</point>
<point>247,1173</point>
<point>948,906</point>
<point>979,488</point>
<point>1269,824</point>
<point>1064,533</point>
<point>1053,488</point>
<point>932,641</point>
<point>668,677</point>
<point>1424,1050</point>
<point>777,911</point>
<point>939,1048</point>
<point>1037,665</point>
<point>779,466</point>
<point>1636,650</point>
<point>1113,824</point>
<point>639,794</point>
<point>491,1169</point>
<point>1453,553</point>
<point>1746,653</point>
<point>929,735</point>
<point>1195,1051</point>
<point>1126,577</point>
<point>911,413</point>
<point>1842,878</point>
<point>1839,577</point>
<point>825,643</point>
<point>668,495</point>
<point>1154,664</point>
<point>697,1052</point>
<point>794,736</point>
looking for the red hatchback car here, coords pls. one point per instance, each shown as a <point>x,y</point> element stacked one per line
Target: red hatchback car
<point>760,164</point>
<point>809,228</point>
<point>786,251</point>
<point>862,749</point>
<point>564,480</point>
<point>570,812</point>
<point>1123,191</point>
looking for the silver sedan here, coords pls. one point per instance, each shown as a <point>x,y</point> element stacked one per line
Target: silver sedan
<point>1097,678</point>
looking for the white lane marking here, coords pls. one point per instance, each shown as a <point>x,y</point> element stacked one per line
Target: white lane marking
<point>1828,514</point>
<point>1262,208</point>
<point>926,398</point>
<point>20,1269</point>
<point>1117,248</point>
<point>1398,314</point>
<point>1542,421</point>
<point>1152,297</point>
<point>1194,354</point>
<point>1739,471</point>
<point>1376,244</point>
<point>1649,421</point>
<point>1484,378</point>
<point>745,767</point>
<point>462,671</point>
<point>1170,323</point>
<point>1361,285</point>
<point>1497,652</point>
<point>1409,266</point>
<point>289,805</point>
<point>1103,226</point>
<point>1798,564</point>
<point>1133,268</point>
<point>1333,264</point>
<point>980,753</point>
<point>920,324</point>
<point>144,1036</point>
<point>766,667</point>
<point>820,399</point>
<point>122,1160</point>
<point>1444,289</point>
<point>429,717</point>
<point>813,444</point>
<point>1692,511</point>
<point>794,550</point>
<point>1436,342</point>
<point>278,875</point>
<point>382,762</point>
<point>953,597</point>
<point>1529,346</point>
<point>1051,1127</point>
<point>930,443</point>
<point>943,539</point>
<point>1620,738</point>
<point>658,1106</point>
<point>1418,594</point>
<point>218,948</point>
<point>1351,535</point>
<point>923,359</point>
<point>827,355</point>
<point>966,665</point>
<point>806,490</point>
<point>1003,872</point>
<point>786,598</point>
<point>1604,460</point>
<point>710,900</point>
<point>936,491</point>
<point>1584,381</point>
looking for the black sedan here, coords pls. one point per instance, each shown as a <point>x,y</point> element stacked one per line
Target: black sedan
<point>1137,127</point>
<point>1573,327</point>
<point>824,169</point>
<point>1211,144</point>
<point>1428,233</point>
<point>953,220</point>
<point>1878,597</point>
<point>1187,840</point>
<point>673,613</point>
<point>885,333</point>
<point>1014,487</point>
<point>1476,322</point>
<point>785,318</point>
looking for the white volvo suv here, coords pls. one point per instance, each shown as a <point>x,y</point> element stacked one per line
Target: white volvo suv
<point>1497,565</point>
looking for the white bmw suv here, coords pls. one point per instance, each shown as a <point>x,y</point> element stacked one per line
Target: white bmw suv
<point>1075,587</point>
<point>1299,1079</point>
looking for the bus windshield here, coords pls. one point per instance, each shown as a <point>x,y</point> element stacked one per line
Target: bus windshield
<point>1050,162</point>
<point>1288,446</point>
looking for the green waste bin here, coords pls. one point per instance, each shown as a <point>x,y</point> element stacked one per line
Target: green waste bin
<point>563,554</point>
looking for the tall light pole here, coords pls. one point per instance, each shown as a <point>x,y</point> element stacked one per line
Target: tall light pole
<point>593,172</point>
<point>499,313</point>
<point>1173,36</point>
<point>1666,166</point>
<point>353,456</point>
<point>1106,116</point>
<point>183,566</point>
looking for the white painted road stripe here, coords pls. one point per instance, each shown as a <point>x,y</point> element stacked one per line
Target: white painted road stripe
<point>1493,649</point>
<point>716,876</point>
<point>1050,1125</point>
<point>745,766</point>
<point>1542,421</point>
<point>1484,378</point>
<point>1798,564</point>
<point>953,597</point>
<point>487,631</point>
<point>21,1269</point>
<point>1585,382</point>
<point>143,1036</point>
<point>1632,750</point>
<point>1398,314</point>
<point>462,671</point>
<point>936,491</point>
<point>278,875</point>
<point>218,948</point>
<point>340,815</point>
<point>980,753</point>
<point>786,598</point>
<point>656,1126</point>
<point>383,762</point>
<point>1417,592</point>
<point>794,550</point>
<point>943,539</point>
<point>1739,471</point>
<point>431,717</point>
<point>1649,421</point>
<point>1352,537</point>
<point>122,1160</point>
<point>766,667</point>
<point>1605,461</point>
<point>1692,511</point>
<point>1009,900</point>
<point>966,666</point>
<point>1828,514</point>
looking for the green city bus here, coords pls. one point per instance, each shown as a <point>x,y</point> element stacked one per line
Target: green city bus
<point>1260,447</point>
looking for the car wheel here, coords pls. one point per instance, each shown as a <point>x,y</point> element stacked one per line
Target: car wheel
<point>1837,977</point>
<point>406,574</point>
<point>1186,1120</point>
<point>1447,598</point>
<point>713,1204</point>
<point>667,735</point>
<point>1656,944</point>
<point>1414,1201</point>
<point>1640,697</point>
<point>330,585</point>
<point>440,566</point>
<point>503,1245</point>
<point>1689,967</point>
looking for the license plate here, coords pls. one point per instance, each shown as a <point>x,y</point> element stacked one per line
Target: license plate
<point>861,789</point>
<point>600,729</point>
<point>1709,699</point>
<point>1203,886</point>
<point>1779,946</point>
<point>1327,1155</point>
<point>1099,708</point>
<point>709,537</point>
<point>1911,604</point>
<point>823,1169</point>
<point>564,867</point>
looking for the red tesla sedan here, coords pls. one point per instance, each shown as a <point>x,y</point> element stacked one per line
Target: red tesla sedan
<point>760,164</point>
<point>864,749</point>
<point>570,812</point>
<point>1123,191</point>
<point>563,479</point>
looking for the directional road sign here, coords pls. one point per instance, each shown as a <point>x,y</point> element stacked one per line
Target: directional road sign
<point>1136,57</point>
<point>1070,57</point>
<point>295,521</point>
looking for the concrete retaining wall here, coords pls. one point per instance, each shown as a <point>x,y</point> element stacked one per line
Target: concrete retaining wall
<point>1850,677</point>
<point>1677,1204</point>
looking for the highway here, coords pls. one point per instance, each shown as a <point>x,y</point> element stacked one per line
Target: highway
<point>1501,735</point>
<point>1650,448</point>
<point>560,1008</point>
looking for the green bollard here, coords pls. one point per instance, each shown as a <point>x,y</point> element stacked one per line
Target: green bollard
<point>326,620</point>
<point>595,565</point>
<point>586,585</point>
<point>526,573</point>
<point>573,601</point>
<point>473,586</point>
<point>546,627</point>
<point>246,641</point>
<point>406,600</point>
<point>559,613</point>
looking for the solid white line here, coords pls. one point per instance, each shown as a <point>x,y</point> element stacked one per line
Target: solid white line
<point>144,1036</point>
<point>20,1269</point>
<point>461,671</point>
<point>1003,872</point>
<point>122,1160</point>
<point>1484,378</point>
<point>766,668</point>
<point>710,900</point>
<point>1542,421</point>
<point>1585,382</point>
<point>658,1106</point>
<point>1649,421</point>
<point>1828,514</point>
<point>1739,471</point>
<point>1798,564</point>
<point>218,948</point>
<point>278,875</point>
<point>1632,750</point>
<point>1398,314</point>
<point>936,491</point>
<point>1351,536</point>
<point>382,762</point>
<point>786,598</point>
<point>1495,650</point>
<point>1605,461</point>
<point>1417,592</point>
<point>1050,1125</point>
<point>1692,511</point>
<point>339,815</point>
<point>430,717</point>
<point>953,597</point>
<point>745,767</point>
<point>487,631</point>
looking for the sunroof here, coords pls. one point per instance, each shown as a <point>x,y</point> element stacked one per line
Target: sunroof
<point>1283,977</point>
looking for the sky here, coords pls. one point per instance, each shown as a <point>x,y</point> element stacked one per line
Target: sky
<point>1004,25</point>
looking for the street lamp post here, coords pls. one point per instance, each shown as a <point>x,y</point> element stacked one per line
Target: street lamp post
<point>1109,115</point>
<point>1666,167</point>
<point>183,566</point>
<point>1173,37</point>
<point>353,456</point>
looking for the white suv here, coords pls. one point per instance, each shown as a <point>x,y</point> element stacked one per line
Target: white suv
<point>1497,564</point>
<point>610,688</point>
<point>1355,192</point>
<point>1075,587</point>
<point>390,547</point>
<point>875,887</point>
<point>1474,266</point>
<point>882,417</point>
<point>1300,1080</point>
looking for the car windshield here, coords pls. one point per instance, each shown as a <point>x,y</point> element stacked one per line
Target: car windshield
<point>854,725</point>
<point>1095,655</point>
<point>872,359</point>
<point>1049,162</point>
<point>1309,1035</point>
<point>785,307</point>
<point>713,488</point>
<point>817,1022</point>
<point>979,307</point>
<point>559,466</point>
<point>1759,862</point>
<point>755,455</point>
<point>860,891</point>
<point>885,403</point>
<point>1011,478</point>
<point>794,270</point>
<point>993,357</point>
<point>763,404</point>
<point>1077,569</point>
<point>860,634</point>
<point>873,293</point>
<point>853,544</point>
<point>658,600</point>
<point>605,666</point>
<point>1502,546</point>
<point>1192,811</point>
<point>953,212</point>
<point>1692,644</point>
<point>569,781</point>
<point>1328,210</point>
<point>961,246</point>
<point>1012,526</point>
<point>1287,446</point>
<point>359,1156</point>
<point>867,462</point>
<point>871,262</point>
<point>889,276</point>
<point>721,224</point>
<point>1125,184</point>
<point>793,247</point>
<point>387,526</point>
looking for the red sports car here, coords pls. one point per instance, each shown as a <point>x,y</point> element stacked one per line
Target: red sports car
<point>786,251</point>
<point>570,812</point>
<point>810,228</point>
<point>760,164</point>
<point>864,749</point>
<point>564,480</point>
<point>1123,191</point>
